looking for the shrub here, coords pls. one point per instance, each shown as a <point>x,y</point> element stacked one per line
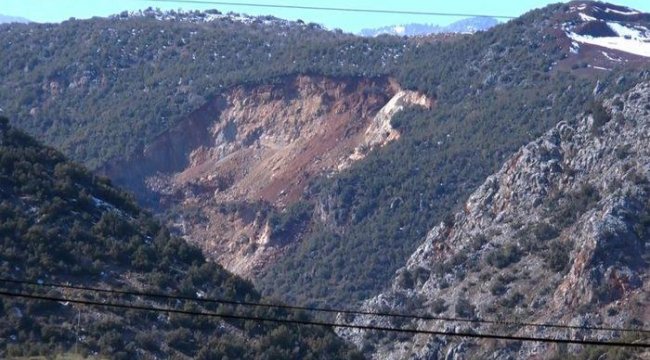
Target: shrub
<point>464,308</point>
<point>557,255</point>
<point>504,256</point>
<point>498,286</point>
<point>600,115</point>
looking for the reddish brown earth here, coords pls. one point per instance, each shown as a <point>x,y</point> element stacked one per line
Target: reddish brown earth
<point>256,148</point>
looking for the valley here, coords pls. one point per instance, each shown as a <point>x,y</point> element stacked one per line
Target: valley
<point>496,175</point>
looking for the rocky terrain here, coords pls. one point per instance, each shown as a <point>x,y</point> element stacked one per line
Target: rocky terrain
<point>250,135</point>
<point>561,234</point>
<point>256,149</point>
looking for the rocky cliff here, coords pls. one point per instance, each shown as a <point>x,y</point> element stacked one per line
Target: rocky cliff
<point>559,235</point>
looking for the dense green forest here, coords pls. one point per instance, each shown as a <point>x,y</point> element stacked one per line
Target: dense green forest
<point>62,224</point>
<point>503,94</point>
<point>101,89</point>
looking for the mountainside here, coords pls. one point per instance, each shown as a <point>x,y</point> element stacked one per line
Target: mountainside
<point>311,161</point>
<point>230,173</point>
<point>514,82</point>
<point>102,89</point>
<point>60,224</point>
<point>560,234</point>
<point>465,26</point>
<point>602,35</point>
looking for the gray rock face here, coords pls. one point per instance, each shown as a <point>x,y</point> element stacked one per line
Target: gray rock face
<point>558,235</point>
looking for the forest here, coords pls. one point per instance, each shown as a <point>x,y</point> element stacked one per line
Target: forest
<point>61,224</point>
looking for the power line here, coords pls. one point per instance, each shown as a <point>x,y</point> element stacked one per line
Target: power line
<point>320,8</point>
<point>326,324</point>
<point>325,310</point>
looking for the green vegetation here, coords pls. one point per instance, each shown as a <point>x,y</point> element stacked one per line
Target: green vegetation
<point>287,225</point>
<point>101,89</point>
<point>565,209</point>
<point>62,224</point>
<point>504,256</point>
<point>499,97</point>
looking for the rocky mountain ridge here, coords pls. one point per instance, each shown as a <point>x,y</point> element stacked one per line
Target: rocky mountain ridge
<point>561,234</point>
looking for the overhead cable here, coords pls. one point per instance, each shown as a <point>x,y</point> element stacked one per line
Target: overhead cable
<point>319,309</point>
<point>321,8</point>
<point>466,334</point>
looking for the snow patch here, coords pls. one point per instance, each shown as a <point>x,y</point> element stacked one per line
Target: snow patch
<point>629,12</point>
<point>585,17</point>
<point>579,8</point>
<point>601,68</point>
<point>575,47</point>
<point>621,30</point>
<point>631,46</point>
<point>611,58</point>
<point>634,40</point>
<point>99,203</point>
<point>400,29</point>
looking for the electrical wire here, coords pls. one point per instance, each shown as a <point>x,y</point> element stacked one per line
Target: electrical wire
<point>318,309</point>
<point>320,8</point>
<point>327,324</point>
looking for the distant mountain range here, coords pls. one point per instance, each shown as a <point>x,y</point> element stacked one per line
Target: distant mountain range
<point>4,19</point>
<point>470,25</point>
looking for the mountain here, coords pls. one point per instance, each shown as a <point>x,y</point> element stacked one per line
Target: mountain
<point>559,235</point>
<point>137,75</point>
<point>61,224</point>
<point>264,146</point>
<point>4,19</point>
<point>606,34</point>
<point>465,26</point>
<point>310,162</point>
<point>515,81</point>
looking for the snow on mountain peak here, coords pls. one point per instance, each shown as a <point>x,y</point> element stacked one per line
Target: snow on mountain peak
<point>609,26</point>
<point>208,16</point>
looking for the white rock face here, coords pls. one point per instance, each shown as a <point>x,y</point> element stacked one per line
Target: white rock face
<point>556,236</point>
<point>380,132</point>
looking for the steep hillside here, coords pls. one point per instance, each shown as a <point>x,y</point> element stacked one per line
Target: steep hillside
<point>101,89</point>
<point>560,234</point>
<point>229,171</point>
<point>512,85</point>
<point>272,143</point>
<point>60,224</point>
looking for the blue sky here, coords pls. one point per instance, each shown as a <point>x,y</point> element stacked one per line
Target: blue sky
<point>58,10</point>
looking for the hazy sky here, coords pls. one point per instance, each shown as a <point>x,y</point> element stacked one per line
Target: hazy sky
<point>58,10</point>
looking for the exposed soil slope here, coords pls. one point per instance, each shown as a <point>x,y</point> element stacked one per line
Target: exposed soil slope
<point>256,149</point>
